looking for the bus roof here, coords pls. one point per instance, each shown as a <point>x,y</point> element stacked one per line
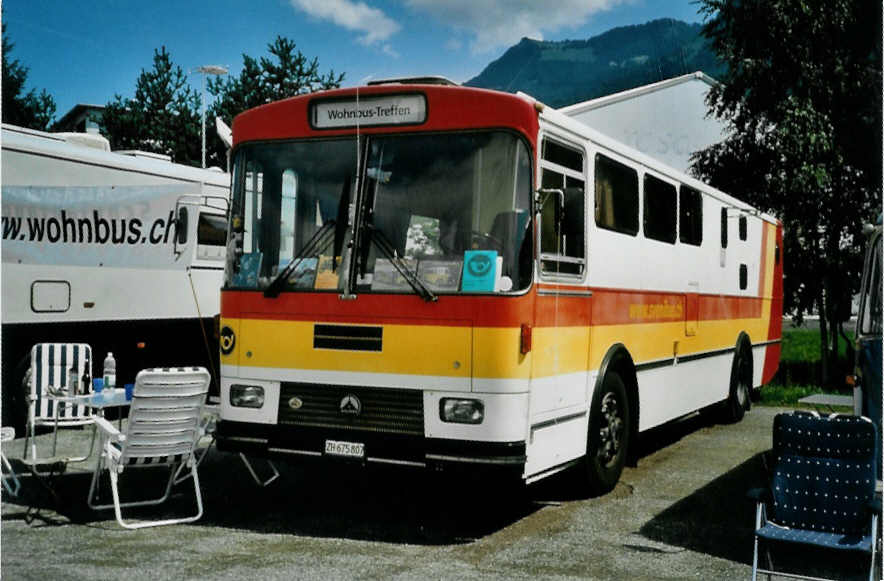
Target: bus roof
<point>447,108</point>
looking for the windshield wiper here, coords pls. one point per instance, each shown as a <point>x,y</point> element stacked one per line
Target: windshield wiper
<point>318,240</point>
<point>389,251</point>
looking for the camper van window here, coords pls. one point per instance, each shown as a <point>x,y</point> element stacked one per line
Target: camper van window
<point>870,317</point>
<point>211,230</point>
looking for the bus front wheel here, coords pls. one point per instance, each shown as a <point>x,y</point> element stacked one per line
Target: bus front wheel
<point>610,424</point>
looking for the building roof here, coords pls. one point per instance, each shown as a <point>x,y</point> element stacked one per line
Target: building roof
<point>637,92</point>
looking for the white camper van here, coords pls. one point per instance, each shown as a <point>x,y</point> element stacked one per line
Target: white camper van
<point>121,250</point>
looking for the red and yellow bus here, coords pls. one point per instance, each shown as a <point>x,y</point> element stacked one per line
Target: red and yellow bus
<point>432,275</point>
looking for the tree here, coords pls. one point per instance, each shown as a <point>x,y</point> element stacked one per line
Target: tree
<point>286,73</point>
<point>30,109</point>
<point>162,117</point>
<point>802,99</point>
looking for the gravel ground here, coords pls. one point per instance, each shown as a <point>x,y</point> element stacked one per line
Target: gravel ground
<point>680,513</point>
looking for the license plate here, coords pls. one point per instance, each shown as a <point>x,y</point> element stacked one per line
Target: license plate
<point>346,449</point>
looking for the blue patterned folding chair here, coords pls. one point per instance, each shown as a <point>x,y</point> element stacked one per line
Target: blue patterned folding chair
<point>163,430</point>
<point>822,495</point>
<point>50,365</point>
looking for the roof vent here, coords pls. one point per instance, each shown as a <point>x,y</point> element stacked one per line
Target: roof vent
<point>432,80</point>
<point>145,154</point>
<point>92,140</point>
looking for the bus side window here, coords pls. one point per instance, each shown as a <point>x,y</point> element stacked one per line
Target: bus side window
<point>661,203</point>
<point>724,227</point>
<point>616,196</point>
<point>563,246</point>
<point>690,214</point>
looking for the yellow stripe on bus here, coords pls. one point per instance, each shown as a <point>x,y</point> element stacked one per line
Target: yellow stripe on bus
<point>486,353</point>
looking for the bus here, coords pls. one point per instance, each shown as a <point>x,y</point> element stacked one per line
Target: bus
<point>868,362</point>
<point>437,276</point>
<point>123,250</point>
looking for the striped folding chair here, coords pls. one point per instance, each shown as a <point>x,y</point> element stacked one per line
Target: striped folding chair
<point>163,430</point>
<point>50,364</point>
<point>10,479</point>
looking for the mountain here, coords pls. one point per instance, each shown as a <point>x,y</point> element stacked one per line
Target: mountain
<point>570,71</point>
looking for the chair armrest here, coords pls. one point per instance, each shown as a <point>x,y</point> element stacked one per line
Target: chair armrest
<point>108,430</point>
<point>759,494</point>
<point>875,505</point>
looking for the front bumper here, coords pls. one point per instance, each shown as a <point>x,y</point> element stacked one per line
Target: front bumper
<point>297,443</point>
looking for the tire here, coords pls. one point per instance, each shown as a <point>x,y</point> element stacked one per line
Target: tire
<point>610,425</point>
<point>739,395</point>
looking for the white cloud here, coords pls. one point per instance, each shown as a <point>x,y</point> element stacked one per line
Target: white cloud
<point>499,23</point>
<point>375,26</point>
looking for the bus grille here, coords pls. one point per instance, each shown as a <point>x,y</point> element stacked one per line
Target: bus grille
<point>348,337</point>
<point>398,411</point>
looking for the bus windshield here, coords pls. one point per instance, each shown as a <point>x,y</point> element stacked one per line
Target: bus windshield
<point>449,210</point>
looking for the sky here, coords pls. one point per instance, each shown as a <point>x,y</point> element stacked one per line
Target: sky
<point>91,50</point>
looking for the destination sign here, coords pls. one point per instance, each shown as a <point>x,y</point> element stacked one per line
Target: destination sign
<point>386,110</point>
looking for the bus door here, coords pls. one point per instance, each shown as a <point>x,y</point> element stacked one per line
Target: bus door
<point>562,332</point>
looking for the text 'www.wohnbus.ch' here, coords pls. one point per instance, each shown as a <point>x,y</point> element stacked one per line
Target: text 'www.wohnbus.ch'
<point>93,229</point>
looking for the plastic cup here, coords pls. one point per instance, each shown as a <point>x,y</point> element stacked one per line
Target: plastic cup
<point>97,384</point>
<point>129,388</point>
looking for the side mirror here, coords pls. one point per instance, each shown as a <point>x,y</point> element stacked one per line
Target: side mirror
<point>181,226</point>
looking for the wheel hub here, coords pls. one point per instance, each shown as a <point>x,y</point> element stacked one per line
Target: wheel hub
<point>611,429</point>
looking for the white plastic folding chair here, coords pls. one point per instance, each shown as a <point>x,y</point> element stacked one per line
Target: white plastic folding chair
<point>10,479</point>
<point>163,430</point>
<point>50,366</point>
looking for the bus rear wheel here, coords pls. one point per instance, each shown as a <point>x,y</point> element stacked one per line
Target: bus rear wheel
<point>738,401</point>
<point>610,424</point>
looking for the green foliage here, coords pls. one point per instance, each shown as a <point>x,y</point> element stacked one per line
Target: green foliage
<point>33,110</point>
<point>571,71</point>
<point>162,117</point>
<point>285,73</point>
<point>802,96</point>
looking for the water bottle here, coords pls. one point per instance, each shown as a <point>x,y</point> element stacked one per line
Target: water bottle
<point>73,380</point>
<point>110,371</point>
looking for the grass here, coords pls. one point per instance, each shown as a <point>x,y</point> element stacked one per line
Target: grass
<point>804,345</point>
<point>800,346</point>
<point>782,395</point>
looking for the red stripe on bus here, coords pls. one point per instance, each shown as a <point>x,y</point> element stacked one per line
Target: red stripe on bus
<point>762,271</point>
<point>368,309</point>
<point>605,307</point>
<point>775,326</point>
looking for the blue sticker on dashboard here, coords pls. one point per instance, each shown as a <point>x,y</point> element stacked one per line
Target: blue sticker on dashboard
<point>479,270</point>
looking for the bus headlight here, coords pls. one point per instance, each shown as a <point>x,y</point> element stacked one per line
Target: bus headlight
<point>461,411</point>
<point>246,396</point>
